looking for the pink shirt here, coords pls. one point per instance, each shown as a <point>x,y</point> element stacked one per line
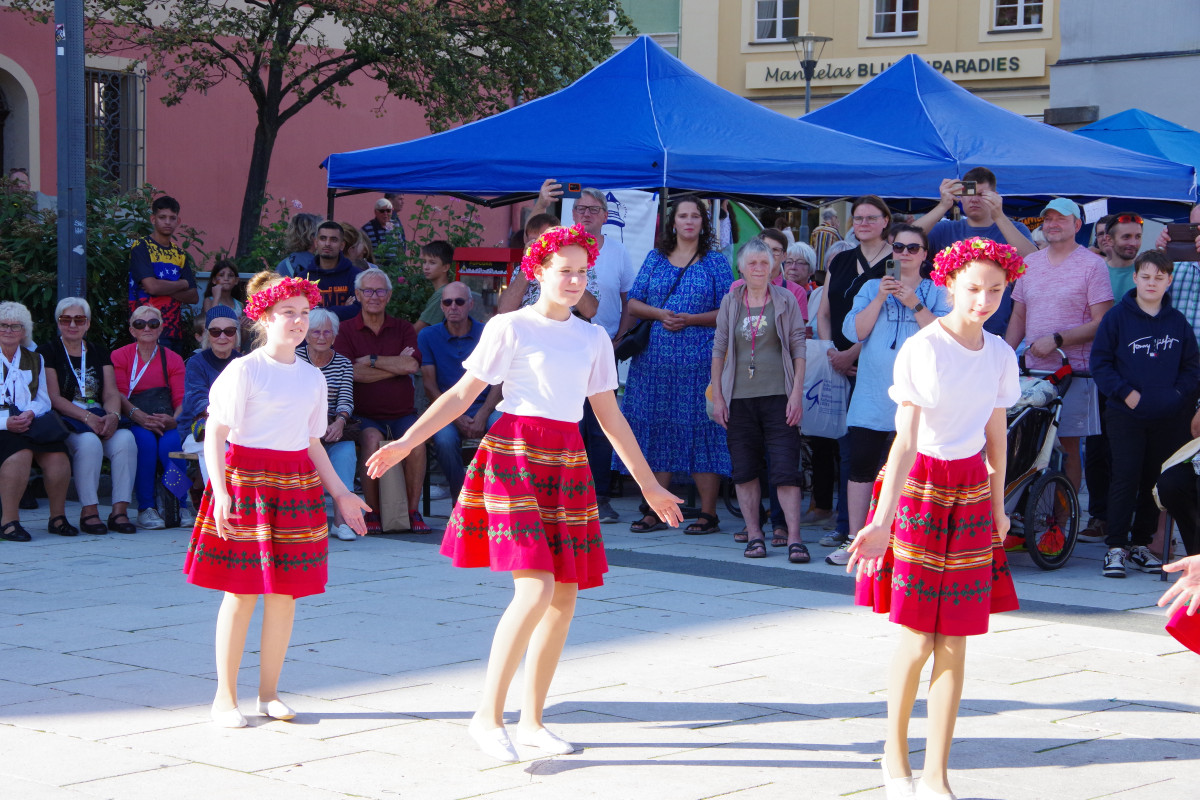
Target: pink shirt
<point>798,291</point>
<point>1059,297</point>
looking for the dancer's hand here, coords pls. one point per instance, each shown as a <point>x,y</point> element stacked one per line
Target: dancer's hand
<point>352,507</point>
<point>1186,590</point>
<point>387,457</point>
<point>222,511</point>
<point>1003,524</point>
<point>867,550</point>
<point>664,504</point>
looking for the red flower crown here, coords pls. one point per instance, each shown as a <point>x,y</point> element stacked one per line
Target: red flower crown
<point>260,301</point>
<point>961,253</point>
<point>554,240</point>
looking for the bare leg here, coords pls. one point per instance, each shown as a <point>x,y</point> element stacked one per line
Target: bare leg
<point>904,678</point>
<point>858,502</point>
<point>278,612</point>
<point>14,477</point>
<point>532,595</point>
<point>232,622</point>
<point>708,484</point>
<point>414,477</point>
<point>749,495</point>
<point>789,498</point>
<point>545,648</point>
<point>1071,463</point>
<point>945,692</point>
<point>56,475</point>
<point>371,441</point>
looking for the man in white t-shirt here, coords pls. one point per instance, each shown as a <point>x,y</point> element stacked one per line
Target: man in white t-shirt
<point>1057,305</point>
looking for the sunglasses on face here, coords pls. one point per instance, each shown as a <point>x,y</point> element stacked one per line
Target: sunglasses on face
<point>213,333</point>
<point>79,320</point>
<point>456,301</point>
<point>913,248</point>
<point>142,324</point>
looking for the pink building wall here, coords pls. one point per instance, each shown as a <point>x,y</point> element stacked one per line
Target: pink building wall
<point>199,150</point>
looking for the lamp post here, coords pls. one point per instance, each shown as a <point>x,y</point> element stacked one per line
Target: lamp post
<point>808,63</point>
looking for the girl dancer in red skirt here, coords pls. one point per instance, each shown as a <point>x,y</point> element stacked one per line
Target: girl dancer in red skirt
<point>930,555</point>
<point>262,529</point>
<point>528,504</point>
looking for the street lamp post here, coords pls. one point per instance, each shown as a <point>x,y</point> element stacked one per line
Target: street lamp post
<point>808,64</point>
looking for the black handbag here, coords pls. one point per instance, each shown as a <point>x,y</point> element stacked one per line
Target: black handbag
<point>637,338</point>
<point>158,399</point>
<point>47,429</point>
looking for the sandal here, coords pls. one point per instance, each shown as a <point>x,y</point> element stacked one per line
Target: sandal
<point>779,537</point>
<point>13,532</point>
<point>642,526</point>
<point>742,536</point>
<point>757,548</point>
<point>115,524</point>
<point>96,528</point>
<point>710,524</point>
<point>60,526</point>
<point>798,554</point>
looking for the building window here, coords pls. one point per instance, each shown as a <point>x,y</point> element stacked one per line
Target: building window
<point>113,135</point>
<point>776,20</point>
<point>896,17</point>
<point>1018,13</point>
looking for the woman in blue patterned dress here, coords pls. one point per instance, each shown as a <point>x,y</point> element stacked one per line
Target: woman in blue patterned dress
<point>664,393</point>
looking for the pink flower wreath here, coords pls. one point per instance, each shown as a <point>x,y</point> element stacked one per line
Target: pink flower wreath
<point>961,253</point>
<point>288,287</point>
<point>554,240</point>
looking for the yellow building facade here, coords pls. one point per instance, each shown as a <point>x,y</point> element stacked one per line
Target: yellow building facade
<point>1000,50</point>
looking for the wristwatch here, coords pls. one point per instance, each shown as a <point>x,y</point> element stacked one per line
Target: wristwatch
<point>1058,340</point>
<point>374,358</point>
<point>919,307</point>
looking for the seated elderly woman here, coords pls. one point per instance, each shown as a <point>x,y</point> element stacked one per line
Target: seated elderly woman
<point>28,429</point>
<point>218,347</point>
<point>339,376</point>
<point>150,379</point>
<point>83,390</point>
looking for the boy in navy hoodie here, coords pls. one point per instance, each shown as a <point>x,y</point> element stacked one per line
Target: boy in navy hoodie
<point>1145,361</point>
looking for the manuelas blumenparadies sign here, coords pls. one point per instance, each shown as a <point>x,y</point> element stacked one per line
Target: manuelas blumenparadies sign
<point>986,65</point>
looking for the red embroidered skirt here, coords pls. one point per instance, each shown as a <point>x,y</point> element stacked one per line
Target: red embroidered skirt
<point>528,502</point>
<point>945,570</point>
<point>280,536</point>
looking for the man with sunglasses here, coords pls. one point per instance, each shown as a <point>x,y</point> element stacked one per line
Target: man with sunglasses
<point>444,347</point>
<point>161,274</point>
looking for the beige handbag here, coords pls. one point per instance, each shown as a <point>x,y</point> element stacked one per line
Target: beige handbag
<point>393,501</point>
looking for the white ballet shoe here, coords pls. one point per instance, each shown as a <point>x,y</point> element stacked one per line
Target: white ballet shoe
<point>494,742</point>
<point>895,788</point>
<point>925,793</point>
<point>543,739</point>
<point>228,719</point>
<point>276,709</point>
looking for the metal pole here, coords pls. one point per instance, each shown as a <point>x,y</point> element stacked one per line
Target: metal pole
<point>72,194</point>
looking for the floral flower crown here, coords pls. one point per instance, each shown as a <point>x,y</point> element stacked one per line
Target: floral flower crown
<point>288,287</point>
<point>961,253</point>
<point>554,240</point>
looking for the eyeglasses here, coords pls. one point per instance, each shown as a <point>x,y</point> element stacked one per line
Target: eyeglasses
<point>913,247</point>
<point>142,324</point>
<point>456,301</point>
<point>11,327</point>
<point>320,334</point>
<point>1134,218</point>
<point>861,220</point>
<point>213,333</point>
<point>79,320</point>
<point>589,209</point>
<point>795,262</point>
<point>375,292</point>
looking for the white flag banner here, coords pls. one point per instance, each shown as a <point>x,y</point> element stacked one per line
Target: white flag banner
<point>632,215</point>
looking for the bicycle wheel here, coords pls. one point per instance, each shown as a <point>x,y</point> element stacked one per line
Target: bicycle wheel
<point>1051,520</point>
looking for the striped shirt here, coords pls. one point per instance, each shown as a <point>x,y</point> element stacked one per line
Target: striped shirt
<point>339,377</point>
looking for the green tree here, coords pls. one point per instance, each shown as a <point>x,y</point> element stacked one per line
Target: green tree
<point>458,60</point>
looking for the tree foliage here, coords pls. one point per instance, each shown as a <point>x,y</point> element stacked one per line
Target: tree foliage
<point>459,59</point>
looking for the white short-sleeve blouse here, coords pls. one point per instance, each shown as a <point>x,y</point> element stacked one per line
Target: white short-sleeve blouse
<point>268,404</point>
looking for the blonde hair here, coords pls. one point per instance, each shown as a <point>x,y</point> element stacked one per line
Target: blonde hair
<point>260,282</point>
<point>145,311</point>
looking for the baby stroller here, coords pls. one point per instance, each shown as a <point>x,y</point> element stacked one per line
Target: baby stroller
<point>1037,494</point>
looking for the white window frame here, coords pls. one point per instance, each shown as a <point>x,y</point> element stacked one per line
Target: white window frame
<point>778,20</point>
<point>1020,7</point>
<point>898,16</point>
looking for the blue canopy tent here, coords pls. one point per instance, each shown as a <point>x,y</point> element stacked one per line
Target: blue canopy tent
<point>913,106</point>
<point>640,120</point>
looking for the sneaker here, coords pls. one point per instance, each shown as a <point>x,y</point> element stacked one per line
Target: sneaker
<point>438,492</point>
<point>1144,559</point>
<point>344,532</point>
<point>1096,531</point>
<point>839,557</point>
<point>1114,563</point>
<point>606,511</point>
<point>835,539</point>
<point>148,519</point>
<point>187,517</point>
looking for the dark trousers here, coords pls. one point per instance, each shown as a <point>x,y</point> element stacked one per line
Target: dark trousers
<point>1179,490</point>
<point>1140,446</point>
<point>599,450</point>
<point>1097,467</point>
<point>824,470</point>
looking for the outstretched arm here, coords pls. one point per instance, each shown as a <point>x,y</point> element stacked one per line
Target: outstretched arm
<point>612,421</point>
<point>1186,590</point>
<point>451,405</point>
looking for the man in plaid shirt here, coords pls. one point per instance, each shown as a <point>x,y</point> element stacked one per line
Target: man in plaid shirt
<point>1185,290</point>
